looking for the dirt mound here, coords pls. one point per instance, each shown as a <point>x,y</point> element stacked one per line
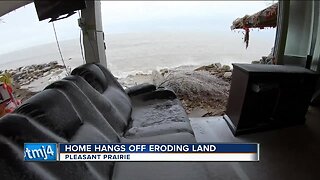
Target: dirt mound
<point>199,89</point>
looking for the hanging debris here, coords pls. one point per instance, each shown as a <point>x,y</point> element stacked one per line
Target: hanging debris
<point>246,37</point>
<point>262,19</point>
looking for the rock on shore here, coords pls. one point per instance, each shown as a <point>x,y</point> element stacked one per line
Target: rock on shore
<point>23,76</point>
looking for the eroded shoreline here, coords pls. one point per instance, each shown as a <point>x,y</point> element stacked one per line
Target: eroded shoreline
<point>203,90</point>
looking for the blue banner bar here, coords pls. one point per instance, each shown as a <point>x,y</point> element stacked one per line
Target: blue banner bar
<point>158,148</point>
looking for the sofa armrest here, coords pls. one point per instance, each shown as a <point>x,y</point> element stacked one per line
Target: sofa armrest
<point>140,89</point>
<point>157,94</point>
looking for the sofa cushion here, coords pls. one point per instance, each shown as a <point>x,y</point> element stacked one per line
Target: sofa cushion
<point>109,76</point>
<point>157,111</point>
<point>163,116</point>
<point>87,112</point>
<point>52,109</point>
<point>21,129</point>
<point>120,100</point>
<point>13,166</point>
<point>104,105</point>
<point>111,89</point>
<point>93,75</point>
<point>15,130</point>
<point>161,170</point>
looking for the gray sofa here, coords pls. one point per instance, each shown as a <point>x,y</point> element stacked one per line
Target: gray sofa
<point>73,110</point>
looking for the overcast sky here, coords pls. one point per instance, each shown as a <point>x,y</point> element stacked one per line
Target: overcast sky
<point>21,28</point>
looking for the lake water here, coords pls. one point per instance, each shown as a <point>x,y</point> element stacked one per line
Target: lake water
<point>143,52</point>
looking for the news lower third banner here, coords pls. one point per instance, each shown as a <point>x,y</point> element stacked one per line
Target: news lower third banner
<point>141,152</point>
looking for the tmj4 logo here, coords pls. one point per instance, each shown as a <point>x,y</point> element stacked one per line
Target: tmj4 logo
<point>40,152</point>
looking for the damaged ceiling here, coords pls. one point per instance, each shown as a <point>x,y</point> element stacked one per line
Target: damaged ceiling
<point>8,6</point>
